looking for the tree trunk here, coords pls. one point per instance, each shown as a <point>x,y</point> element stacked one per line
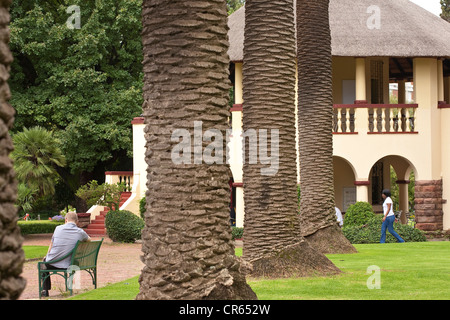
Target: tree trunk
<point>315,114</point>
<point>272,239</point>
<point>187,247</point>
<point>11,254</point>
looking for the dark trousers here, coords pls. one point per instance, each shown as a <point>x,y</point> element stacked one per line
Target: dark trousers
<point>47,285</point>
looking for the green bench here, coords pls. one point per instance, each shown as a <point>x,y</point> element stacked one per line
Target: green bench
<point>84,257</point>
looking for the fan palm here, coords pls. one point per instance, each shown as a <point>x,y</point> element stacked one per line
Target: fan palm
<point>36,157</point>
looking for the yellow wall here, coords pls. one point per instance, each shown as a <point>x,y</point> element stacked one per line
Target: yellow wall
<point>428,116</point>
<point>343,69</point>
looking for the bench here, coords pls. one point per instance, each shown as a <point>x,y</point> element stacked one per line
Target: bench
<point>84,257</point>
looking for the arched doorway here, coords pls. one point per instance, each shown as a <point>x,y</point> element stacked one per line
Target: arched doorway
<point>397,174</point>
<point>344,183</point>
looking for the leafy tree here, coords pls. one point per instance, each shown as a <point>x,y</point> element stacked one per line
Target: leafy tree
<point>104,194</point>
<point>233,5</point>
<point>445,5</point>
<point>83,84</point>
<point>36,156</point>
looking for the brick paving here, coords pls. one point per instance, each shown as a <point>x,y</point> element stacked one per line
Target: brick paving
<point>116,262</point>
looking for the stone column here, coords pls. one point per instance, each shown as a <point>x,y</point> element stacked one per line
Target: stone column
<point>428,205</point>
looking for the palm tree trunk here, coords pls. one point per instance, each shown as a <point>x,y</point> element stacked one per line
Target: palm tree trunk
<point>315,112</point>
<point>272,239</point>
<point>187,247</point>
<point>11,253</point>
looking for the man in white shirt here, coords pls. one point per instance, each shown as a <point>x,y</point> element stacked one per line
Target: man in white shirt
<point>339,216</point>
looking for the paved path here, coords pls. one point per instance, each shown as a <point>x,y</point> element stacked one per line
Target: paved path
<point>116,262</point>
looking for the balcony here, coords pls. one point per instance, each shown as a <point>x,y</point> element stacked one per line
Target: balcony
<point>374,118</point>
<point>125,177</point>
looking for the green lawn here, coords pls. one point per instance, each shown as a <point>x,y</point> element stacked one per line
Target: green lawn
<point>408,271</point>
<point>35,252</point>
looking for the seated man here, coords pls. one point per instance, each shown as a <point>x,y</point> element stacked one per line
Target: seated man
<point>64,240</point>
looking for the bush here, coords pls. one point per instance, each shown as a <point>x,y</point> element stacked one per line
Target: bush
<point>142,208</point>
<point>371,232</point>
<point>58,218</point>
<point>104,194</point>
<point>123,226</point>
<point>358,214</point>
<point>40,226</point>
<point>237,233</point>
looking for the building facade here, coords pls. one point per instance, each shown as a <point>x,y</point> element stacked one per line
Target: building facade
<point>372,137</point>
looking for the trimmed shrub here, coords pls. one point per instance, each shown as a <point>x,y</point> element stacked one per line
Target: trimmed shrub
<point>371,232</point>
<point>237,233</point>
<point>358,214</point>
<point>123,226</point>
<point>38,226</point>
<point>142,204</point>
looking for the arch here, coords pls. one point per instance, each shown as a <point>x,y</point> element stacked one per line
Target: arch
<point>344,182</point>
<point>380,178</point>
<point>398,162</point>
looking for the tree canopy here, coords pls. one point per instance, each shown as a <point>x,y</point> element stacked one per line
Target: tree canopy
<point>84,84</point>
<point>445,5</point>
<point>233,5</point>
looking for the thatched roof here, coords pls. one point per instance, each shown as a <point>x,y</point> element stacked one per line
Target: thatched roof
<point>406,30</point>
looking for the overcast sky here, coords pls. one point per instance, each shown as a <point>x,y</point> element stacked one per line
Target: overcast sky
<point>433,6</point>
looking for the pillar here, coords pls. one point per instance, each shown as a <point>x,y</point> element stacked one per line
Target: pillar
<point>239,206</point>
<point>238,83</point>
<point>401,92</point>
<point>429,188</point>
<point>236,161</point>
<point>139,163</point>
<point>428,116</point>
<point>360,80</point>
<point>362,191</point>
<point>428,205</point>
<point>403,199</point>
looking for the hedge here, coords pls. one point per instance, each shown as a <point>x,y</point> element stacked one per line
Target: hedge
<point>358,214</point>
<point>38,226</point>
<point>123,226</point>
<point>237,233</point>
<point>371,232</point>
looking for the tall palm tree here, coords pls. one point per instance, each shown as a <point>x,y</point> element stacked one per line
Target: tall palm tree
<point>36,158</point>
<point>315,112</point>
<point>273,243</point>
<point>11,253</point>
<point>187,248</point>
